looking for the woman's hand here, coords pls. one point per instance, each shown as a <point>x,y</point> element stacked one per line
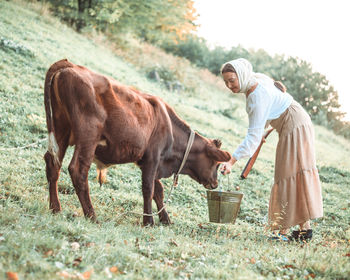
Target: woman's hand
<point>227,166</point>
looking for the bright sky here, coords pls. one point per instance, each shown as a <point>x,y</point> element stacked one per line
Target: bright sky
<point>316,31</point>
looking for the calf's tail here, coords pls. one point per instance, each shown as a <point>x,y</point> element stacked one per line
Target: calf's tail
<point>53,148</point>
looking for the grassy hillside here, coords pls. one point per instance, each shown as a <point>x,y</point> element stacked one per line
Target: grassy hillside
<point>38,245</point>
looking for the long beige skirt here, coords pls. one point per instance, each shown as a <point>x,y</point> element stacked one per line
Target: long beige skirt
<point>296,195</point>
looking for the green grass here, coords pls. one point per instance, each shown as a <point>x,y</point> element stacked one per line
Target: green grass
<point>38,245</point>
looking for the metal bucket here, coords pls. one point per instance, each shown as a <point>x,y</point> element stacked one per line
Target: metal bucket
<point>223,206</point>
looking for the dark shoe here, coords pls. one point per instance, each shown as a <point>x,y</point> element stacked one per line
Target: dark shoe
<point>301,235</point>
<point>294,236</point>
<point>305,235</point>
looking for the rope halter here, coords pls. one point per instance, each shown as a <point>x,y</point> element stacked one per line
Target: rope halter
<point>188,148</point>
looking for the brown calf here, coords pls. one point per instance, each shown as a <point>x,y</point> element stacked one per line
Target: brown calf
<point>111,123</point>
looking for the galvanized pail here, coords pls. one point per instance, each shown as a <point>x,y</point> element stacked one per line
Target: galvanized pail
<point>223,206</point>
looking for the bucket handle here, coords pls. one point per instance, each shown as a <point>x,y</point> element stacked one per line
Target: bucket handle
<point>220,181</point>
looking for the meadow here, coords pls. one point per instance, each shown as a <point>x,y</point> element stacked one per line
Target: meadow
<point>35,244</point>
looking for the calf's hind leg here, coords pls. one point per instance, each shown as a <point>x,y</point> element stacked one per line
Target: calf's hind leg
<point>53,167</point>
<point>78,170</point>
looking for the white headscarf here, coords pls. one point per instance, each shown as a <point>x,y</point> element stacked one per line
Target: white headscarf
<point>246,77</point>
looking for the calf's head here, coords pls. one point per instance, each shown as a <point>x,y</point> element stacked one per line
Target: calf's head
<point>204,162</point>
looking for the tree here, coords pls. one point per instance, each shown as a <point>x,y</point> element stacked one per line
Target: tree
<point>152,20</point>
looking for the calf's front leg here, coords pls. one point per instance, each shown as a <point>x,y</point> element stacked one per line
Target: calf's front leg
<point>159,199</point>
<point>147,192</point>
<point>148,175</point>
<point>53,172</point>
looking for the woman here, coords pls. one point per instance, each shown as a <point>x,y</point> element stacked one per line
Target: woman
<point>296,196</point>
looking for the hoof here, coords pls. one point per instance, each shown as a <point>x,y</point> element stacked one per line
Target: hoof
<point>55,210</point>
<point>94,220</point>
<point>164,219</point>
<point>91,217</point>
<point>148,221</point>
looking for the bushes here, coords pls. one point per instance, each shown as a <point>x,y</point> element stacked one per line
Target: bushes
<point>193,48</point>
<point>165,76</point>
<point>9,45</point>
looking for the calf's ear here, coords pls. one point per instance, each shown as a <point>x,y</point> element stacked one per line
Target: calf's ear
<point>217,154</point>
<point>217,143</point>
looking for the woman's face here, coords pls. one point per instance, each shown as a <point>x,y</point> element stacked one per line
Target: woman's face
<point>231,81</point>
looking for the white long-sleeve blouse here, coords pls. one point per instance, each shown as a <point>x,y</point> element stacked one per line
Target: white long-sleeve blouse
<point>265,103</point>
